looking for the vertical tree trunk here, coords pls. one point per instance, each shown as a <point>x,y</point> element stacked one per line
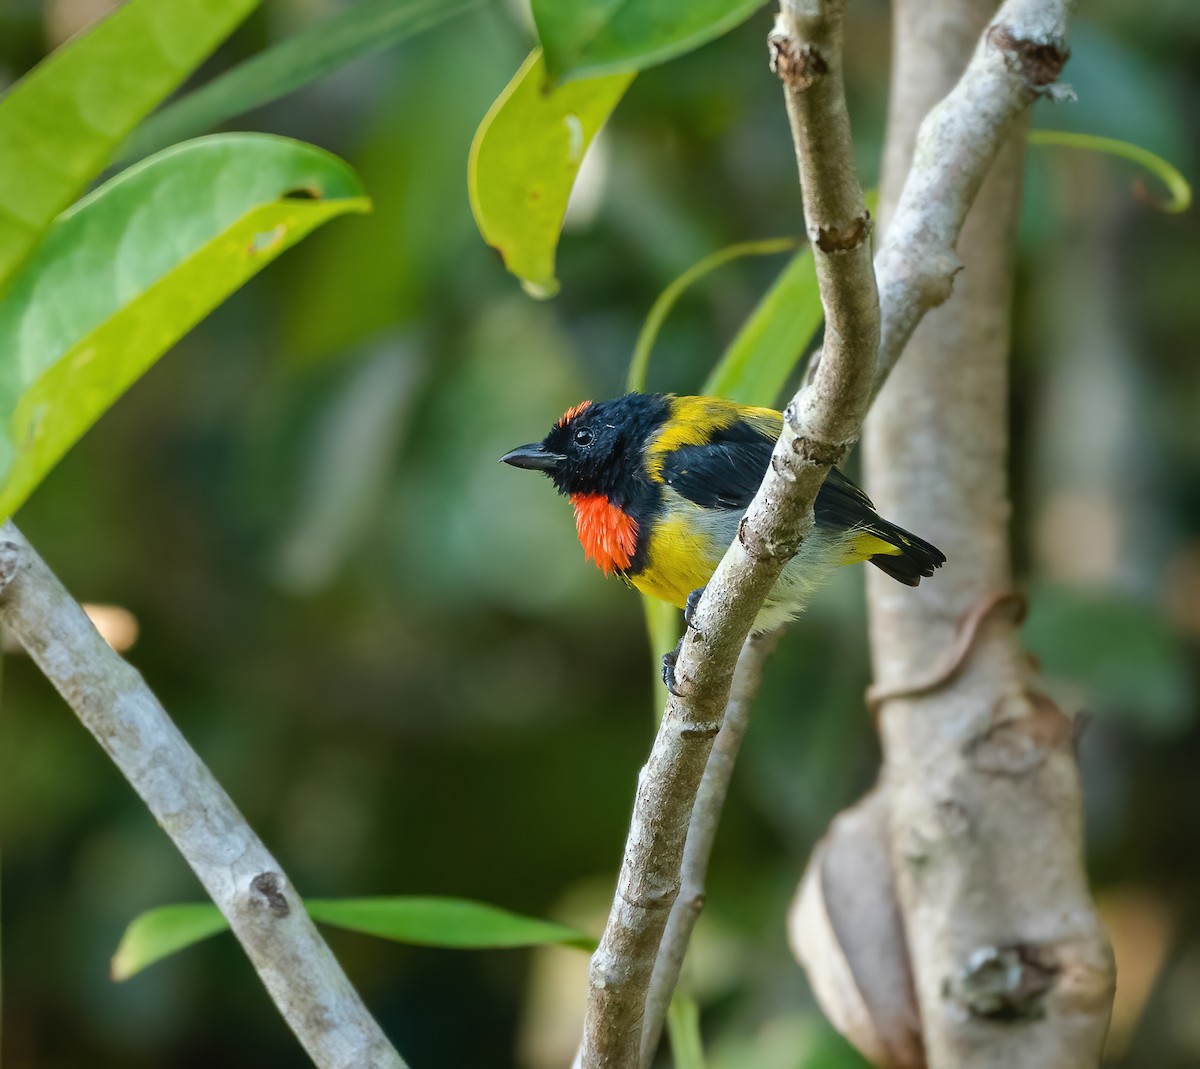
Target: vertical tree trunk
<point>1010,964</point>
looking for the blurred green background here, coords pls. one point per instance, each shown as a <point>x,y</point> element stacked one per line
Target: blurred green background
<point>392,653</point>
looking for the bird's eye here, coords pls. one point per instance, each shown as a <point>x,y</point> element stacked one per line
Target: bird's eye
<point>583,437</point>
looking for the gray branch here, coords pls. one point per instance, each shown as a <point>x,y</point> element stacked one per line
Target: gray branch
<point>1019,58</point>
<point>266,914</point>
<point>702,832</point>
<point>819,425</point>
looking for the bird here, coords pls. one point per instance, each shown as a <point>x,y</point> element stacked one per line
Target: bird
<point>660,483</point>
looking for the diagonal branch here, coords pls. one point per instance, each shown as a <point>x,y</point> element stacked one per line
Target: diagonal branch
<point>819,426</point>
<point>112,700</point>
<point>1018,58</point>
<point>702,832</point>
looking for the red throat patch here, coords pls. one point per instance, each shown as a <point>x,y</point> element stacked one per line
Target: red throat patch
<point>608,535</point>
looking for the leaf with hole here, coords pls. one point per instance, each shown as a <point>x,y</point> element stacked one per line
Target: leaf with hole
<point>60,124</point>
<point>591,37</point>
<point>452,923</point>
<point>359,30</point>
<point>133,267</point>
<point>523,163</point>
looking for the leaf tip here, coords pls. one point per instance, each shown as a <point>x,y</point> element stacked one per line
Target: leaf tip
<point>122,965</point>
<point>540,291</point>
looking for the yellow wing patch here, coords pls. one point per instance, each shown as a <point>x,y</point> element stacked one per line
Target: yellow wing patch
<point>694,421</point>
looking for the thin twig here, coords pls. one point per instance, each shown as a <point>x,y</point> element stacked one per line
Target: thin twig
<point>819,425</point>
<point>266,914</point>
<point>702,831</point>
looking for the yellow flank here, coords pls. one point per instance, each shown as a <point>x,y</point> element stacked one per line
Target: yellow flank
<point>694,420</point>
<point>681,558</point>
<point>863,545</point>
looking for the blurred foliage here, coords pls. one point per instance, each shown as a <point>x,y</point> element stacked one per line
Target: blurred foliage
<point>390,649</point>
<point>320,49</point>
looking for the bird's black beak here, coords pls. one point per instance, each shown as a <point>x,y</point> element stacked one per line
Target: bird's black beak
<point>534,457</point>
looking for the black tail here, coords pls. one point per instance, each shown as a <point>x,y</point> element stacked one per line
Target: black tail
<point>842,506</point>
<point>917,559</point>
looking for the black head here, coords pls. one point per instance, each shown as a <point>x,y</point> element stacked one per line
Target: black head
<point>596,448</point>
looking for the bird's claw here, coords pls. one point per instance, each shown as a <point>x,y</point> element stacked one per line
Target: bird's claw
<point>689,607</point>
<point>668,669</point>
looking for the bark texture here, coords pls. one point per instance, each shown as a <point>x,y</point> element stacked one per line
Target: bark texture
<point>1010,964</point>
<point>819,425</point>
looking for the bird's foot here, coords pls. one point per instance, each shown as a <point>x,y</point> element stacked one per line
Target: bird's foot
<point>668,669</point>
<point>689,608</point>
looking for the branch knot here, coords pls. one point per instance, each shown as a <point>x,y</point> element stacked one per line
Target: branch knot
<point>1038,62</point>
<point>654,899</point>
<point>844,238</point>
<point>760,548</point>
<point>798,66</point>
<point>1004,983</point>
<point>814,451</point>
<point>269,887</point>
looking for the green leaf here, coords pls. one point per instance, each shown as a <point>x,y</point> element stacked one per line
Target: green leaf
<point>366,27</point>
<point>523,163</point>
<point>764,354</point>
<point>452,923</point>
<point>683,1029</point>
<point>161,932</point>
<point>590,37</point>
<point>131,268</point>
<point>60,124</point>
<point>443,922</point>
<point>636,378</point>
<point>1178,188</point>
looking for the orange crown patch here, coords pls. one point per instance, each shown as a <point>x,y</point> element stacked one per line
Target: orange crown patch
<point>571,413</point>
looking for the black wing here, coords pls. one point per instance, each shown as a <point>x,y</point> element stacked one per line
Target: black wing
<point>726,472</point>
